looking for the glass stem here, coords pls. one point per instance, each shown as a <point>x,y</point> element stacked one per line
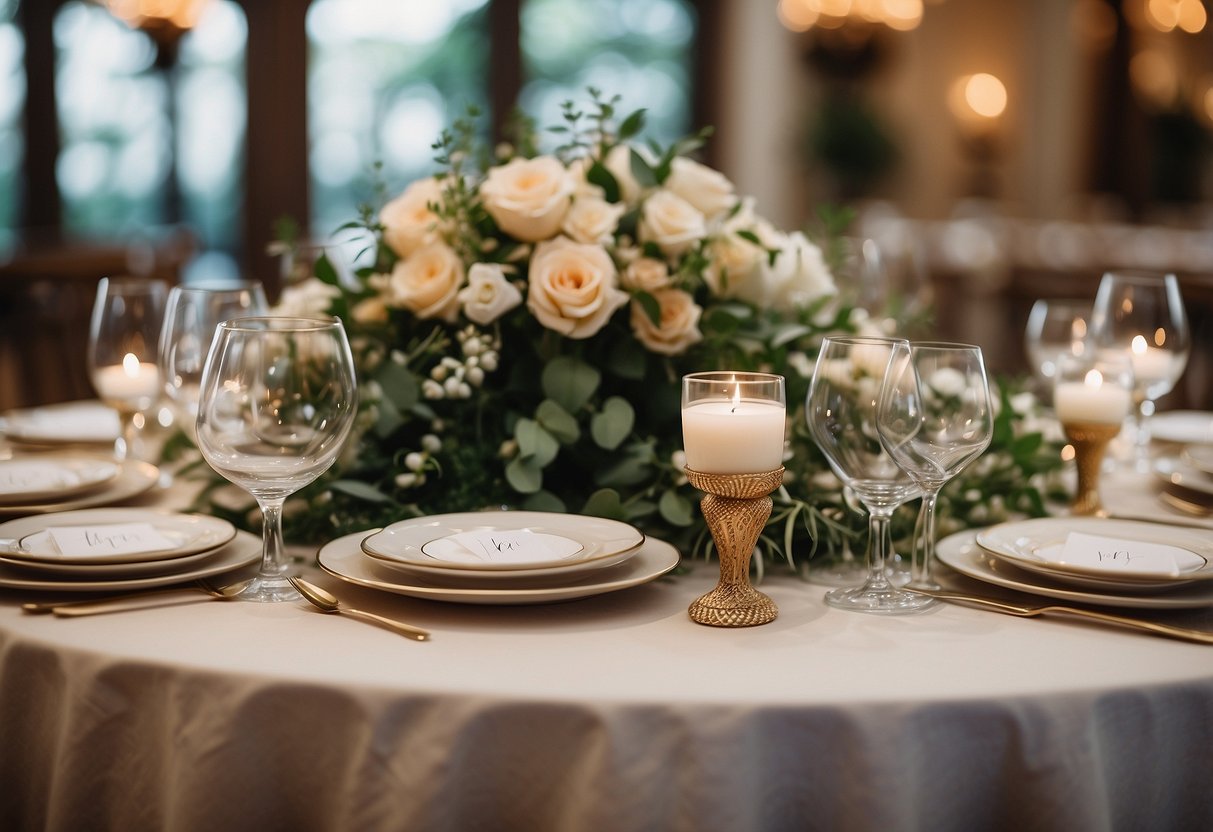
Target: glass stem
<point>879,543</point>
<point>1141,433</point>
<point>924,544</point>
<point>273,554</point>
<point>128,437</point>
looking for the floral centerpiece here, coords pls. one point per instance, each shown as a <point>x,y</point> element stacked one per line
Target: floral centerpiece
<point>521,322</point>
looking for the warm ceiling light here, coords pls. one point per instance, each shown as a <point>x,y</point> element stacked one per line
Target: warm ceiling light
<point>798,15</point>
<point>1163,15</point>
<point>902,15</point>
<point>1192,16</point>
<point>985,95</point>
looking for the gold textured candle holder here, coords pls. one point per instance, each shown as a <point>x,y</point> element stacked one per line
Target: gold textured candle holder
<point>1090,441</point>
<point>736,507</point>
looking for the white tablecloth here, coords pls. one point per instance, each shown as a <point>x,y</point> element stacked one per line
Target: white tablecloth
<point>611,713</point>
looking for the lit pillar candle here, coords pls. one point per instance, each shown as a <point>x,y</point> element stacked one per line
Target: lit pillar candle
<point>1091,401</point>
<point>1150,364</point>
<point>133,384</point>
<point>733,436</point>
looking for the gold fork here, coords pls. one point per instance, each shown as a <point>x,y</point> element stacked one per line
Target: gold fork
<point>1022,611</point>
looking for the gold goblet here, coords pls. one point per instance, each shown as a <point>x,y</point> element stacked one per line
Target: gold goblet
<point>736,507</point>
<point>1090,441</point>
<point>1091,397</point>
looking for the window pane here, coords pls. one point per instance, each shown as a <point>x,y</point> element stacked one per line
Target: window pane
<point>12,103</point>
<point>384,78</point>
<point>639,49</point>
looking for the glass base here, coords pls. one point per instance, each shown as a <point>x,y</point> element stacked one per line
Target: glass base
<point>268,590</point>
<point>929,585</point>
<point>880,601</point>
<point>845,572</point>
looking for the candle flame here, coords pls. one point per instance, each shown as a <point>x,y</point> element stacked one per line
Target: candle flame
<point>736,397</point>
<point>130,365</point>
<point>1094,378</point>
<point>1139,345</point>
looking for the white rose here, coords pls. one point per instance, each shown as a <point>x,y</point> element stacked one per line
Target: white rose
<point>679,327</point>
<point>427,283</point>
<point>572,287</point>
<point>592,219</point>
<point>735,268</point>
<point>307,299</point>
<point>799,275</point>
<point>488,295</point>
<point>408,222</point>
<point>646,274</point>
<point>704,188</point>
<point>528,197</point>
<point>671,222</point>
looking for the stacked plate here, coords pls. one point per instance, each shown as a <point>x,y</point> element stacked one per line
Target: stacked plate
<point>46,482</point>
<point>500,557</point>
<point>119,549</point>
<point>1187,480</point>
<point>1123,563</point>
<point>70,423</point>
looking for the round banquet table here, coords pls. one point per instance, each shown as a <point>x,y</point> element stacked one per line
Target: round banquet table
<point>608,713</point>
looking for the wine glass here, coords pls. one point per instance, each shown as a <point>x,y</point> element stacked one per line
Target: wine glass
<point>935,417</point>
<point>841,413</point>
<point>1144,315</point>
<point>1056,327</point>
<point>190,318</point>
<point>123,341</point>
<point>277,401</point>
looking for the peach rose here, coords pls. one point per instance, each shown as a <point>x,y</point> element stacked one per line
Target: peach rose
<point>528,198</point>
<point>646,274</point>
<point>408,222</point>
<point>592,219</point>
<point>679,327</point>
<point>671,222</point>
<point>488,295</point>
<point>572,287</point>
<point>427,283</point>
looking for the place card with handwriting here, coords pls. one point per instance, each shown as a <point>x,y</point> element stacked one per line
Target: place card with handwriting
<point>109,539</point>
<point>1126,556</point>
<point>504,547</point>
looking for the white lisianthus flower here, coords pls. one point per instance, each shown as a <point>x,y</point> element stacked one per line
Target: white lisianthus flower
<point>427,284</point>
<point>408,221</point>
<point>671,222</point>
<point>646,274</point>
<point>528,198</point>
<point>307,299</point>
<point>488,295</point>
<point>708,190</point>
<point>573,287</point>
<point>799,275</point>
<point>591,219</point>
<point>679,325</point>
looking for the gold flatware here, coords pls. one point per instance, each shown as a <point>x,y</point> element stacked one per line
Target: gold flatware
<point>131,601</point>
<point>1198,636</point>
<point>327,602</point>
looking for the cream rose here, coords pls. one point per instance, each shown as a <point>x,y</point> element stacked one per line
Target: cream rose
<point>671,222</point>
<point>488,295</point>
<point>306,299</point>
<point>371,310</point>
<point>799,275</point>
<point>427,283</point>
<point>408,222</point>
<point>646,274</point>
<point>528,198</point>
<point>592,219</point>
<point>707,190</point>
<point>679,327</point>
<point>735,268</point>
<point>572,287</point>
<point>619,162</point>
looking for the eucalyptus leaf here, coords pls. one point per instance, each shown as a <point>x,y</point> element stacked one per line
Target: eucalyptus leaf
<point>628,359</point>
<point>603,178</point>
<point>558,422</point>
<point>324,271</point>
<point>604,503</point>
<point>524,476</point>
<point>642,171</point>
<point>389,419</point>
<point>614,424</point>
<point>676,509</point>
<point>632,125</point>
<point>631,470</point>
<point>535,445</point>
<point>544,500</point>
<point>398,384</point>
<point>361,490</point>
<point>650,306</point>
<point>570,382</point>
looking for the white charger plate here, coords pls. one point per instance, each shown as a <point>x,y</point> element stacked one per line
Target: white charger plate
<point>33,479</point>
<point>961,552</point>
<point>189,533</point>
<point>1185,427</point>
<point>343,558</point>
<point>138,569</point>
<point>243,550</point>
<point>424,545</point>
<point>83,422</point>
<point>1027,544</point>
<point>134,478</point>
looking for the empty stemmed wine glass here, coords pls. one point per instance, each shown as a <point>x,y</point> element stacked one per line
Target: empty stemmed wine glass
<point>277,401</point>
<point>122,349</point>
<point>190,318</point>
<point>934,418</point>
<point>1143,314</point>
<point>1056,327</point>
<point>841,413</point>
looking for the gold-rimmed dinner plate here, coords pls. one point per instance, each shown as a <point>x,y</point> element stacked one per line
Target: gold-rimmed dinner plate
<point>31,539</point>
<point>243,550</point>
<point>38,478</point>
<point>960,552</point>
<point>1037,545</point>
<point>502,544</point>
<point>89,571</point>
<point>343,558</point>
<point>134,478</point>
